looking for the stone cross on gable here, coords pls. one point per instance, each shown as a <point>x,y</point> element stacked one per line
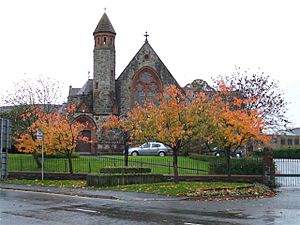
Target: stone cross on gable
<point>146,35</point>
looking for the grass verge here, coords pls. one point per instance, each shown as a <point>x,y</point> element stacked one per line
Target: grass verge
<point>200,190</point>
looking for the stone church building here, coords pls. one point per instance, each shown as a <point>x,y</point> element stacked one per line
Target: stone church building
<point>144,77</point>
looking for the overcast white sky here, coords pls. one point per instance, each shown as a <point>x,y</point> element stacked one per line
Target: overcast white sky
<point>194,39</point>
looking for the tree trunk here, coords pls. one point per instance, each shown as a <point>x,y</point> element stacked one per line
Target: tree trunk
<point>126,155</point>
<point>69,155</point>
<point>36,158</point>
<point>126,137</point>
<point>249,149</point>
<point>227,151</point>
<point>175,166</point>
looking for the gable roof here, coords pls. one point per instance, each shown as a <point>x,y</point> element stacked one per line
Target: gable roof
<point>144,46</point>
<point>104,25</point>
<point>73,91</point>
<point>87,88</point>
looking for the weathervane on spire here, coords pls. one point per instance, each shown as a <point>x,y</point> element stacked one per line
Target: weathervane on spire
<point>146,35</point>
<point>104,9</point>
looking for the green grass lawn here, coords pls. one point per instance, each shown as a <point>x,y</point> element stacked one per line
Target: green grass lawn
<point>185,189</point>
<point>86,164</point>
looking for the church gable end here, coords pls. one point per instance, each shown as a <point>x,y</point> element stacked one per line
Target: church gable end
<point>146,61</point>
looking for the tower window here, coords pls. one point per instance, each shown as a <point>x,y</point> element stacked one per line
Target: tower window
<point>104,40</point>
<point>96,85</point>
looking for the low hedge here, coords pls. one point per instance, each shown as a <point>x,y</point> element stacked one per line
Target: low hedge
<point>286,154</point>
<point>237,166</point>
<point>282,153</point>
<point>122,179</point>
<point>201,157</point>
<point>60,155</point>
<point>122,170</point>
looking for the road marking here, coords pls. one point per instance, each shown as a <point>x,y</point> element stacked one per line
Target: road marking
<point>193,224</point>
<point>86,210</point>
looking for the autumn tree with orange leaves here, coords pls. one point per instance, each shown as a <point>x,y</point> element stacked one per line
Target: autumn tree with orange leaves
<point>61,134</point>
<point>231,122</point>
<point>27,133</point>
<point>128,127</point>
<point>179,119</point>
<point>169,123</point>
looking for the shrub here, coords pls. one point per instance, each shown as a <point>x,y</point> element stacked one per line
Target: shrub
<point>237,166</point>
<point>122,170</point>
<point>258,153</point>
<point>287,153</point>
<point>282,153</point>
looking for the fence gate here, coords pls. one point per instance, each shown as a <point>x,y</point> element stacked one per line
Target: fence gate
<point>5,144</point>
<point>287,172</point>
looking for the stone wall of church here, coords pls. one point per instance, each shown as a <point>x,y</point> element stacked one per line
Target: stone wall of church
<point>145,57</point>
<point>107,141</point>
<point>84,103</point>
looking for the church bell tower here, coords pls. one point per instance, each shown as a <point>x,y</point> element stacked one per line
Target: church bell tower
<point>104,90</point>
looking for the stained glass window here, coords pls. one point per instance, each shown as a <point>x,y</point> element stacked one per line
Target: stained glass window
<point>146,86</point>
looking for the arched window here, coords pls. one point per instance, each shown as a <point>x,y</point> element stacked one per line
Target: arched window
<point>146,85</point>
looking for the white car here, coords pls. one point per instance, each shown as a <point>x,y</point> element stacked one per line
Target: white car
<point>149,148</point>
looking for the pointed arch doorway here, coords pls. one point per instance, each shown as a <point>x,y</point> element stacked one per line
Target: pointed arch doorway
<point>90,133</point>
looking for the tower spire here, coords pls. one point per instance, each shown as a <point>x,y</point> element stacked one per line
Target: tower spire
<point>104,25</point>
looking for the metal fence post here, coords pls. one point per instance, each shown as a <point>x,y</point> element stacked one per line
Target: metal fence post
<point>65,166</point>
<point>21,164</point>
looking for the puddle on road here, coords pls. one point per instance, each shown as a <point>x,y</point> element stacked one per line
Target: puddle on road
<point>221,214</point>
<point>155,217</point>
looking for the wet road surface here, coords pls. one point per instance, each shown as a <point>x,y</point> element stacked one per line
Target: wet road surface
<point>20,207</point>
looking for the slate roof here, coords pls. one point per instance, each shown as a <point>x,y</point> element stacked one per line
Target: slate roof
<point>296,130</point>
<point>87,88</point>
<point>74,91</point>
<point>104,25</point>
<point>287,133</point>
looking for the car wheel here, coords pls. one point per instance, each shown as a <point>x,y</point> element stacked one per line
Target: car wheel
<point>162,154</point>
<point>134,153</point>
<point>217,154</point>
